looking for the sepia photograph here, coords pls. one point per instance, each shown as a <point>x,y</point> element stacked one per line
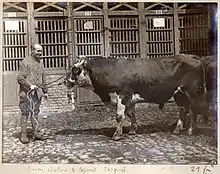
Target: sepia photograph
<point>109,83</point>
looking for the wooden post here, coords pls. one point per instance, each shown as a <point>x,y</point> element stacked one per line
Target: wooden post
<point>142,31</point>
<point>70,34</point>
<point>32,37</point>
<point>209,14</point>
<point>1,56</point>
<point>176,30</point>
<point>1,39</point>
<point>106,30</point>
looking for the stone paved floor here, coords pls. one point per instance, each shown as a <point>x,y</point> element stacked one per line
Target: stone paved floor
<point>84,136</point>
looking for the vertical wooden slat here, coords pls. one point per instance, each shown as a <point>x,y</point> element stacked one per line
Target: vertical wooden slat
<point>9,48</point>
<point>62,42</point>
<point>23,51</point>
<point>2,67</point>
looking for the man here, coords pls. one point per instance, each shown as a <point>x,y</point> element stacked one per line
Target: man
<point>31,77</point>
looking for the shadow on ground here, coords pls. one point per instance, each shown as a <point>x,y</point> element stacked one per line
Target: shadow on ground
<point>143,129</point>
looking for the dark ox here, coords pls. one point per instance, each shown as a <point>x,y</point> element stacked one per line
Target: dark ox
<point>131,81</point>
<point>197,92</point>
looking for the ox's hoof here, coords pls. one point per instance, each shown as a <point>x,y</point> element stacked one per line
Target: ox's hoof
<point>176,131</point>
<point>116,137</point>
<point>190,131</point>
<point>132,132</point>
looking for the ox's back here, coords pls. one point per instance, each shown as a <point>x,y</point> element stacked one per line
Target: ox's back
<point>153,79</point>
<point>126,71</point>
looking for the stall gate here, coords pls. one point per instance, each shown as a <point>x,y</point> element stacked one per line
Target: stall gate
<point>88,34</point>
<point>52,35</point>
<point>14,50</point>
<point>159,39</point>
<point>124,37</point>
<point>194,34</point>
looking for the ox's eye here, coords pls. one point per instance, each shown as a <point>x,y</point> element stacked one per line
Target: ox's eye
<point>76,70</point>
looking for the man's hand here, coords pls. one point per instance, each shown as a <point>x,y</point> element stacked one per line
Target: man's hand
<point>33,87</point>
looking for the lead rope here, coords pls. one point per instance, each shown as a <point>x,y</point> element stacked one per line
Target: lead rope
<point>204,84</point>
<point>31,113</point>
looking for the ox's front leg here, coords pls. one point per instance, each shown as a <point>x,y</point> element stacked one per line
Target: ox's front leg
<point>120,116</point>
<point>131,114</point>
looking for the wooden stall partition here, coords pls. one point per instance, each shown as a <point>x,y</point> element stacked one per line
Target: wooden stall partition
<point>14,47</point>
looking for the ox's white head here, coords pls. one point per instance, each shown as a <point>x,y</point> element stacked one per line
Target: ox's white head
<point>78,75</point>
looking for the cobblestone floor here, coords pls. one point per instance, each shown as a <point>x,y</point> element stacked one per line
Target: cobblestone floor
<point>84,136</point>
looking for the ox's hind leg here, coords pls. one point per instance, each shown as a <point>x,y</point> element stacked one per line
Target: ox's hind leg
<point>192,126</point>
<point>181,121</point>
<point>131,114</point>
<point>120,116</point>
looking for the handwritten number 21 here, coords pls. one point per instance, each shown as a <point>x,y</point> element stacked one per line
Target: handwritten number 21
<point>195,168</point>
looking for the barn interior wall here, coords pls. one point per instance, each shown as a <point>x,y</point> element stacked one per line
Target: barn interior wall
<point>110,18</point>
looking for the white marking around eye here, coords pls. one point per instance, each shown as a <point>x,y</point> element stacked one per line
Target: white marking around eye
<point>84,81</point>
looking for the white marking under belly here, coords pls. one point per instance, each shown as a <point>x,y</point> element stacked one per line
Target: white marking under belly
<point>136,97</point>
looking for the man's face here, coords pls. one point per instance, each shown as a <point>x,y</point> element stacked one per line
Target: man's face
<point>37,52</point>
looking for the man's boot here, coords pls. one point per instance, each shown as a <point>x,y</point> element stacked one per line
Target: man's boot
<point>24,139</point>
<point>35,126</point>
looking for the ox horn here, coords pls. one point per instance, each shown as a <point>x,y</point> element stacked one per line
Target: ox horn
<point>80,63</point>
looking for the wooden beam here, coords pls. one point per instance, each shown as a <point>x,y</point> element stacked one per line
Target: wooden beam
<point>124,13</point>
<point>176,30</point>
<point>106,30</point>
<point>80,7</point>
<point>142,30</point>
<point>158,12</point>
<point>57,7</point>
<point>32,38</point>
<point>70,34</point>
<point>115,7</point>
<point>131,7</point>
<point>93,6</point>
<point>152,6</point>
<point>49,14</point>
<point>166,6</point>
<point>183,6</point>
<point>86,14</point>
<point>14,6</point>
<point>14,14</point>
<point>49,4</point>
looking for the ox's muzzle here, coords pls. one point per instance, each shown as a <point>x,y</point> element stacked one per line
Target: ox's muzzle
<point>70,91</point>
<point>71,97</point>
